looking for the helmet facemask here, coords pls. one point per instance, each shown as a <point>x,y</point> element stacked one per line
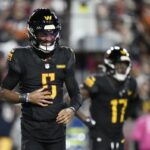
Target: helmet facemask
<point>122,70</point>
<point>46,40</point>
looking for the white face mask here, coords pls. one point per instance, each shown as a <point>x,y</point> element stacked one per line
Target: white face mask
<point>47,49</point>
<point>122,77</point>
<point>119,77</point>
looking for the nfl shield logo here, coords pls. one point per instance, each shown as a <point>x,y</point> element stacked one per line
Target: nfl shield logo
<point>47,66</point>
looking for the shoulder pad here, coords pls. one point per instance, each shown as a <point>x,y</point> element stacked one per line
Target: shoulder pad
<point>67,49</point>
<point>133,82</point>
<point>14,53</point>
<point>14,60</point>
<point>90,80</point>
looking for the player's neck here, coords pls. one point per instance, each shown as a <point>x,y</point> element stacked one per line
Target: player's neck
<point>44,56</point>
<point>116,82</point>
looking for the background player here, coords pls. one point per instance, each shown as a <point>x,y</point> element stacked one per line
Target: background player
<point>114,97</point>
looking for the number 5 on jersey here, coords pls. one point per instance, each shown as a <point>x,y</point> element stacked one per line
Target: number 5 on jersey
<point>47,78</point>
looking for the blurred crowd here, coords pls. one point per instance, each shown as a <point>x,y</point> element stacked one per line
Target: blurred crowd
<point>90,27</point>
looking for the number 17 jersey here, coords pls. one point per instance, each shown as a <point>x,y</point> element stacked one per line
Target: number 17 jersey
<point>108,108</point>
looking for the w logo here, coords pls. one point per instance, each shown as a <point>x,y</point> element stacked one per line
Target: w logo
<point>48,17</point>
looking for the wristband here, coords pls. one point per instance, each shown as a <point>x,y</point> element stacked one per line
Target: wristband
<point>72,109</point>
<point>27,100</point>
<point>24,98</point>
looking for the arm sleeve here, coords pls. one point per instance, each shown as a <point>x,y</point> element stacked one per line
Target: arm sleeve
<point>72,85</point>
<point>10,80</point>
<point>135,103</point>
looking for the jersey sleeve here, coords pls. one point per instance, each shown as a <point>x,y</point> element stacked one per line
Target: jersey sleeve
<point>71,83</point>
<point>14,71</point>
<point>90,84</point>
<point>13,61</point>
<point>135,103</point>
<point>70,64</point>
<point>11,80</point>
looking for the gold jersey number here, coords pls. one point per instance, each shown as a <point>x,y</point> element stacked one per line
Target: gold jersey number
<point>115,103</point>
<point>48,77</point>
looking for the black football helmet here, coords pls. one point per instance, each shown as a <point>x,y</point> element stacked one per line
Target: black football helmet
<point>117,63</point>
<point>43,30</point>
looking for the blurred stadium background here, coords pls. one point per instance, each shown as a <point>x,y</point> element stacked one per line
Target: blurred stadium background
<point>90,27</point>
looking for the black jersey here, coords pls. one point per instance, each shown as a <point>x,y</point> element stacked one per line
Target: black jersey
<point>31,72</point>
<point>111,103</point>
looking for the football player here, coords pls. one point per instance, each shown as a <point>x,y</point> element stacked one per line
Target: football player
<point>41,67</point>
<point>114,97</point>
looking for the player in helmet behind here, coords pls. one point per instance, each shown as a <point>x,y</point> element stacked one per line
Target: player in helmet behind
<point>114,98</point>
<point>117,63</point>
<point>43,65</point>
